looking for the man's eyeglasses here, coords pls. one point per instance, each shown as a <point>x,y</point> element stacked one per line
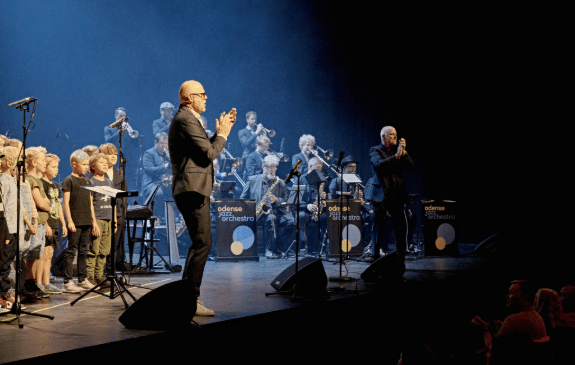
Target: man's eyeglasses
<point>203,95</point>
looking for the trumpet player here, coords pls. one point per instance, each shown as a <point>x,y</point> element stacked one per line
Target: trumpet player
<point>163,124</point>
<point>255,159</point>
<point>250,133</point>
<point>278,223</point>
<point>131,143</point>
<point>157,170</point>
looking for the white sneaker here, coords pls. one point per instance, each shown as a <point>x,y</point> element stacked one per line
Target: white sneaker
<point>202,310</point>
<point>70,287</point>
<point>86,284</point>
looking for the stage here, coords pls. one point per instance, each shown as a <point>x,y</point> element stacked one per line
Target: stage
<point>248,323</point>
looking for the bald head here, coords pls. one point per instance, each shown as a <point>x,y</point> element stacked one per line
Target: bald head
<point>192,95</point>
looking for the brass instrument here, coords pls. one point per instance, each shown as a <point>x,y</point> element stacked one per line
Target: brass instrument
<point>260,207</point>
<point>280,155</point>
<point>235,165</point>
<point>320,200</point>
<point>328,155</point>
<point>269,132</point>
<point>358,194</point>
<point>131,132</point>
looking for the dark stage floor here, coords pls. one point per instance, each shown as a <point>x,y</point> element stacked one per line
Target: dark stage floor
<point>436,303</point>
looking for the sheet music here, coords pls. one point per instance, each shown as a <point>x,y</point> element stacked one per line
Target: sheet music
<point>351,178</point>
<point>106,190</point>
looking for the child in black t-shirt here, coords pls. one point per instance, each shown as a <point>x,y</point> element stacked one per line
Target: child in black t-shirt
<point>79,212</point>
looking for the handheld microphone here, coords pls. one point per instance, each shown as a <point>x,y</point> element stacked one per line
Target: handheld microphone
<point>293,171</point>
<point>25,100</point>
<point>118,122</point>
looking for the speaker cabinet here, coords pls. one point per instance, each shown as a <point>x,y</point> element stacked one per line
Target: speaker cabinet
<point>310,276</point>
<point>385,268</point>
<point>170,306</point>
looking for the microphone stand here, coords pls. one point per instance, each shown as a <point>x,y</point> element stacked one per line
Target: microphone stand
<point>341,278</point>
<point>17,307</point>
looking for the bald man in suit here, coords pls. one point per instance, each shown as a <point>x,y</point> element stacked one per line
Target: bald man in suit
<point>192,153</point>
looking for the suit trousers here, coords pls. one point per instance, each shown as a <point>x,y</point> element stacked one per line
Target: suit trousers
<point>398,220</point>
<point>195,208</point>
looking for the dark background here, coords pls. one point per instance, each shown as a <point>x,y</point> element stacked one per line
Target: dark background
<point>471,89</point>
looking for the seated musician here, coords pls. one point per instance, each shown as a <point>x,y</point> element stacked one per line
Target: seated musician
<point>306,144</point>
<point>308,214</point>
<point>278,224</point>
<point>255,159</point>
<point>349,166</point>
<point>157,170</point>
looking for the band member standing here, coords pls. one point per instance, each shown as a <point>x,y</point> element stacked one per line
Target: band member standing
<point>192,153</point>
<point>309,213</point>
<point>255,159</point>
<point>386,188</point>
<point>163,124</point>
<point>349,165</point>
<point>248,135</point>
<point>279,220</point>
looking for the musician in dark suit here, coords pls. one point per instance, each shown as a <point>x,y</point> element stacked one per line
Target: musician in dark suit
<point>255,159</point>
<point>308,214</point>
<point>349,165</point>
<point>386,188</point>
<point>163,124</point>
<point>248,135</point>
<point>279,219</point>
<point>192,153</point>
<point>157,170</point>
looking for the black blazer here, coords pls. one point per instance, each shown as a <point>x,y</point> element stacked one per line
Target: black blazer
<point>387,179</point>
<point>254,164</point>
<point>192,153</point>
<point>248,141</point>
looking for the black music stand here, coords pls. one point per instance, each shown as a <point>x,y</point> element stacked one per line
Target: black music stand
<point>17,306</point>
<point>111,277</point>
<point>295,196</point>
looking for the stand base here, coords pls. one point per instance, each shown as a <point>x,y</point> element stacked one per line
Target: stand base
<point>341,279</point>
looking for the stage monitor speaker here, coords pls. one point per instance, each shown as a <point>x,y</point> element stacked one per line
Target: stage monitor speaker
<point>310,276</point>
<point>170,306</point>
<point>385,268</point>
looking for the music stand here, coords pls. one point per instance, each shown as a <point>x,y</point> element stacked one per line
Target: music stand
<point>343,278</point>
<point>111,277</point>
<point>227,190</point>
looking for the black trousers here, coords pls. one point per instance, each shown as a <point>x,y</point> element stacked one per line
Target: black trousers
<point>7,256</point>
<point>195,208</point>
<point>398,220</point>
<point>77,241</point>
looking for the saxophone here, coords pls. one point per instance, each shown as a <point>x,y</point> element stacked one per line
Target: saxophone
<point>260,208</point>
<point>320,192</point>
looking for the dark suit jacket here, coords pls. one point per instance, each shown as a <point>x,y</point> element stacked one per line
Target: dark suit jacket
<point>387,179</point>
<point>254,164</point>
<point>192,154</point>
<point>253,190</point>
<point>159,125</point>
<point>248,141</point>
<point>153,169</point>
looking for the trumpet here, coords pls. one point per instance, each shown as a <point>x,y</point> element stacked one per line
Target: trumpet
<point>131,132</point>
<point>280,155</point>
<point>269,132</point>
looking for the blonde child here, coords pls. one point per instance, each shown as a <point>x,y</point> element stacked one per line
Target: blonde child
<point>79,211</point>
<point>56,216</point>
